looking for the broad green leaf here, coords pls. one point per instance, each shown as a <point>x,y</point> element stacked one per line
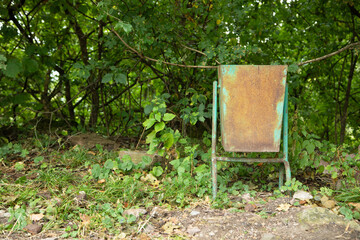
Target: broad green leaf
<point>107,78</point>
<point>96,170</point>
<point>126,165</point>
<point>124,26</point>
<point>120,78</point>
<point>30,65</point>
<point>157,171</point>
<point>109,164</point>
<point>21,98</point>
<point>146,161</point>
<point>24,153</point>
<point>176,163</point>
<point>168,117</point>
<point>202,168</point>
<point>13,68</point>
<point>159,126</point>
<point>158,116</point>
<point>126,158</point>
<point>150,137</point>
<point>38,159</point>
<point>169,140</point>
<point>148,109</point>
<point>149,123</point>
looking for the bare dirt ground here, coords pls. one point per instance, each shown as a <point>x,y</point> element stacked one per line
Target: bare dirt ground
<point>271,220</point>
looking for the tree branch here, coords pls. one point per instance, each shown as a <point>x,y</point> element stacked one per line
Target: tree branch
<point>156,60</point>
<point>192,49</point>
<point>350,46</point>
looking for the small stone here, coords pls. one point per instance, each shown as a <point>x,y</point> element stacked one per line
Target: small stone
<point>267,236</point>
<point>194,213</point>
<point>33,228</point>
<point>270,236</point>
<point>302,195</point>
<point>329,204</point>
<point>149,228</point>
<point>81,196</point>
<point>135,211</point>
<point>324,199</point>
<point>4,214</point>
<point>192,230</point>
<point>211,233</point>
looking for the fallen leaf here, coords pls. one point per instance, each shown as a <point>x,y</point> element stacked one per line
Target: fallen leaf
<point>135,211</point>
<point>169,227</point>
<point>121,236</point>
<point>283,207</point>
<point>144,236</point>
<point>356,205</point>
<point>101,181</point>
<point>36,217</point>
<point>85,219</point>
<point>151,179</point>
<point>207,200</point>
<point>75,147</point>
<point>92,153</point>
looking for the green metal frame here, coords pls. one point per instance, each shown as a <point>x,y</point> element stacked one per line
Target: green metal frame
<point>214,158</point>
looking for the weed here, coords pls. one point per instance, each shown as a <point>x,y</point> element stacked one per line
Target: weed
<point>18,218</point>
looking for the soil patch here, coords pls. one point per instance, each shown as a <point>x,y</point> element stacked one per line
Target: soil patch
<point>266,221</point>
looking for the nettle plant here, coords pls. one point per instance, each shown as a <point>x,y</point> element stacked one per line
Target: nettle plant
<point>162,137</point>
<point>194,108</point>
<point>307,150</point>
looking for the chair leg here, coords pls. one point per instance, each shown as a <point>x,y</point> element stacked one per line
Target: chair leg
<point>281,176</point>
<point>214,178</point>
<point>213,141</point>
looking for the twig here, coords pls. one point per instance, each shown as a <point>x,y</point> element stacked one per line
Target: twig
<point>12,185</point>
<point>146,222</point>
<point>156,60</point>
<point>12,229</point>
<point>352,45</point>
<point>140,138</point>
<point>192,49</point>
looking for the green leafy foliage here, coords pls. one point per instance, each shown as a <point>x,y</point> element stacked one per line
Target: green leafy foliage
<point>18,216</point>
<point>64,70</point>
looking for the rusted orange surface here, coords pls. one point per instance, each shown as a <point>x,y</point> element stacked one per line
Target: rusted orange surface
<point>251,107</point>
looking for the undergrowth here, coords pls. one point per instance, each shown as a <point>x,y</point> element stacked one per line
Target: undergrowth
<point>76,190</point>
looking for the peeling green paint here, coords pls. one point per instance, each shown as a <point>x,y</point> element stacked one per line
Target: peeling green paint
<point>225,96</point>
<point>277,130</point>
<point>228,70</point>
<point>284,78</point>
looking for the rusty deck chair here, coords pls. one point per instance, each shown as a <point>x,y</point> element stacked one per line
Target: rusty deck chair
<point>253,109</point>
